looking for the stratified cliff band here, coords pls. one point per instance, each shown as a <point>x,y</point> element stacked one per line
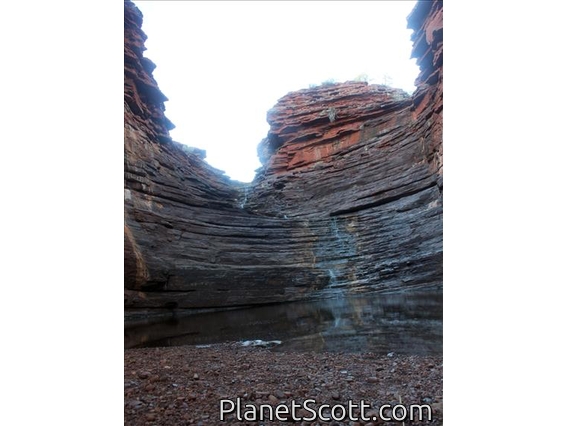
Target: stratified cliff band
<point>349,198</point>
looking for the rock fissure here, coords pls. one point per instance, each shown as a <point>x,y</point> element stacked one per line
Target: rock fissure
<point>382,201</point>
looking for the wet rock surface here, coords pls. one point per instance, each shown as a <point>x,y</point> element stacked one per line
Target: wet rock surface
<point>184,385</point>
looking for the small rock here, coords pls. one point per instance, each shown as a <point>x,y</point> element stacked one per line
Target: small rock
<point>273,399</point>
<point>372,379</point>
<point>390,354</point>
<point>143,374</point>
<point>335,395</point>
<point>136,404</point>
<point>196,376</point>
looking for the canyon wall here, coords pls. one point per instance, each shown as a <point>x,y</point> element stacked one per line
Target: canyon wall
<point>349,198</point>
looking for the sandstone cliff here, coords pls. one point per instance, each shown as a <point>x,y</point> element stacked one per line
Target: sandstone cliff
<point>349,198</point>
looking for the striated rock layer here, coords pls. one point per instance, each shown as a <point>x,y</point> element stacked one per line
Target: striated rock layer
<point>349,198</point>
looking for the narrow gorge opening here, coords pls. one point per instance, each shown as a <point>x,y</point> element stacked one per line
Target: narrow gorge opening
<point>222,74</point>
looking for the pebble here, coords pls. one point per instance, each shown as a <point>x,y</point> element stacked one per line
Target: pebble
<point>143,374</point>
<point>136,404</point>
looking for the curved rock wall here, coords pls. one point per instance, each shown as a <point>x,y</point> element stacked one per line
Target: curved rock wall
<point>349,198</point>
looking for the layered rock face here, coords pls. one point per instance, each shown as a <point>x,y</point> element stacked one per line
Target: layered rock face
<point>427,22</point>
<point>349,198</point>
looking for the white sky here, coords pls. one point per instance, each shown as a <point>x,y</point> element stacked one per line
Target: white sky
<point>223,65</point>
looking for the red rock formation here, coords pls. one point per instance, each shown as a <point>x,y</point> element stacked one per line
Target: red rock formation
<point>348,200</point>
<point>311,124</point>
<point>143,100</point>
<point>427,22</point>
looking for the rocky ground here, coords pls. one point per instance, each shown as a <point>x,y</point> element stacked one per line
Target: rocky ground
<point>184,385</point>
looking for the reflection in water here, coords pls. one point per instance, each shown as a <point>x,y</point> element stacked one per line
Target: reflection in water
<point>403,323</point>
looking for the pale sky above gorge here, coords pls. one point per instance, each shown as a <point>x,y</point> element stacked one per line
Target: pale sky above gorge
<point>223,65</point>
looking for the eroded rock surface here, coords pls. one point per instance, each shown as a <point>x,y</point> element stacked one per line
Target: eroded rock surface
<point>349,198</point>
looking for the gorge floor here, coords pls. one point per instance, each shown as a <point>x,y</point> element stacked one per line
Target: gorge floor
<point>184,385</point>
